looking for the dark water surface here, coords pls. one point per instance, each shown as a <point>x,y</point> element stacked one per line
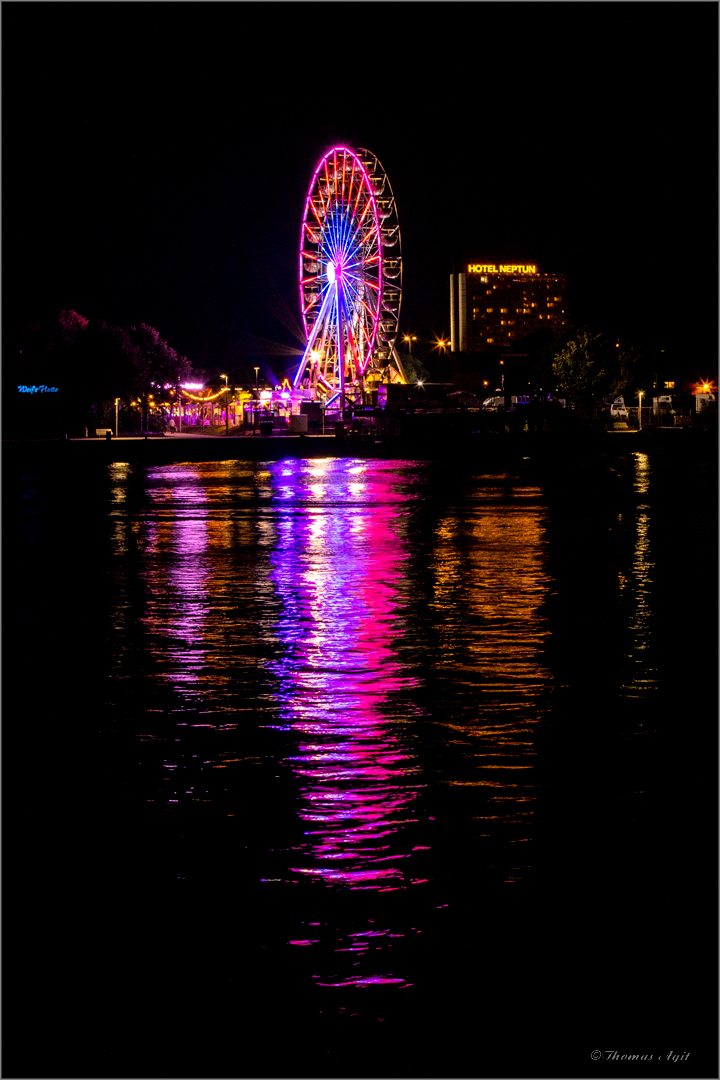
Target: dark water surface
<point>360,768</point>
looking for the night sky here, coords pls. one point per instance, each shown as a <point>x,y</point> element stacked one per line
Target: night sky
<point>157,158</point>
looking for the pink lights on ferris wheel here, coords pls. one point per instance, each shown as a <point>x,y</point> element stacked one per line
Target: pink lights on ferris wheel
<point>349,308</point>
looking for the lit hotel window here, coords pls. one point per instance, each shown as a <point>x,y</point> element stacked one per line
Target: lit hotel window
<point>669,385</point>
<point>490,341</point>
<point>503,310</point>
<point>489,309</point>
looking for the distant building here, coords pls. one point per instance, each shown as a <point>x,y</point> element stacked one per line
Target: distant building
<point>496,304</point>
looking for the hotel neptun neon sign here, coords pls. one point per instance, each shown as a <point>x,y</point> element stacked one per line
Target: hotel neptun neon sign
<point>503,268</point>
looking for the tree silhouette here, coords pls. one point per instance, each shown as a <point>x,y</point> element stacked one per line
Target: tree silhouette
<point>590,366</point>
<point>92,363</point>
<point>156,364</point>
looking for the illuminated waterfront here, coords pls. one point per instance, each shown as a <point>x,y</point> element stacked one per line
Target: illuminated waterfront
<point>369,764</point>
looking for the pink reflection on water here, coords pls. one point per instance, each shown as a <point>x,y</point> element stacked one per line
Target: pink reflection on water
<point>338,567</point>
<point>367,980</point>
<point>178,580</point>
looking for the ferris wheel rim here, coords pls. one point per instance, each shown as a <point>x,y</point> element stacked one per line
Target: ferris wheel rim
<point>349,260</point>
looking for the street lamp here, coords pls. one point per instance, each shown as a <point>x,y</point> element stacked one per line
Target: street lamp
<point>227,407</point>
<point>640,397</point>
<point>257,397</point>
<point>410,338</point>
<point>117,402</point>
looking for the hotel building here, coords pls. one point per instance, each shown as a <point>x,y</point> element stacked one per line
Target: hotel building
<point>496,304</point>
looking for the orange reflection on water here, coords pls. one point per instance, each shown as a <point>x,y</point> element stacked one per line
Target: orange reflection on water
<point>643,676</point>
<point>490,581</point>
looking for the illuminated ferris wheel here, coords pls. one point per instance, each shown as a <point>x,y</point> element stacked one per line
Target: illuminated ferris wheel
<point>350,276</point>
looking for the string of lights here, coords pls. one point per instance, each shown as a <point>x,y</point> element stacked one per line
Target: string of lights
<point>236,398</point>
<point>201,400</point>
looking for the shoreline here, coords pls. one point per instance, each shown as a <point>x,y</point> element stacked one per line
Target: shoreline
<point>473,448</point>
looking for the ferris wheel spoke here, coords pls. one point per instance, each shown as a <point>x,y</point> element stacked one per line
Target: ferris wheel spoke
<point>342,236</point>
<point>336,237</point>
<point>367,260</point>
<point>327,181</point>
<point>346,226</point>
<point>357,252</point>
<point>341,232</point>
<point>354,321</point>
<point>366,239</point>
<point>342,187</point>
<point>361,323</point>
<point>324,249</point>
<point>329,236</point>
<point>315,298</point>
<point>352,180</point>
<point>368,310</point>
<point>360,301</point>
<point>364,266</point>
<point>363,270</point>
<point>317,216</point>
<point>360,220</point>
<point>352,348</point>
<point>359,196</point>
<point>354,282</point>
<point>359,350</point>
<point>308,228</point>
<point>368,206</point>
<point>311,339</point>
<point>324,340</point>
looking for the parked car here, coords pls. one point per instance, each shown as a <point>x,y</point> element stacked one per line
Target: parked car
<point>662,408</point>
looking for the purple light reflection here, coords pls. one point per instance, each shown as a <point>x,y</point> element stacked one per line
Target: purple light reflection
<point>368,980</point>
<point>178,587</point>
<point>338,568</point>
